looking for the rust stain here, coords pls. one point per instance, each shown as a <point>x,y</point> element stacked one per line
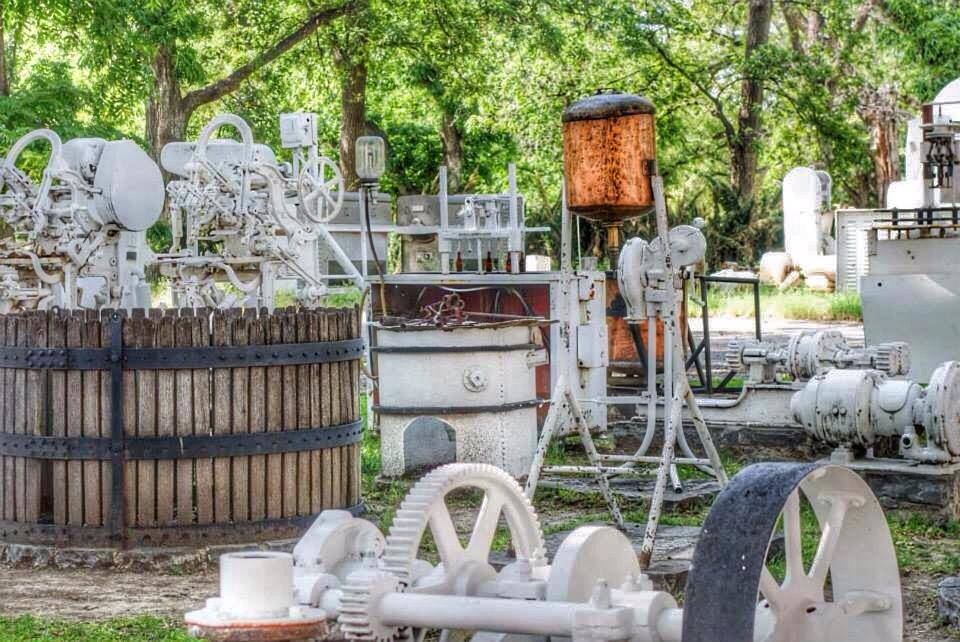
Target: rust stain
<point>604,162</point>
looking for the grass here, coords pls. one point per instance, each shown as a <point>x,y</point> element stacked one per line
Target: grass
<point>138,629</point>
<point>792,304</point>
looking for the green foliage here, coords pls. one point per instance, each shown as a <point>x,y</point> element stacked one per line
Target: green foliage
<point>160,236</point>
<point>139,629</point>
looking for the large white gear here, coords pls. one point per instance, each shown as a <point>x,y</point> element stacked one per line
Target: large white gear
<point>425,507</point>
<point>461,568</point>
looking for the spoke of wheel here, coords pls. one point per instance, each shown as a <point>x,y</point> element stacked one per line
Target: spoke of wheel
<point>445,535</point>
<point>792,537</point>
<point>830,535</point>
<point>769,587</point>
<point>485,528</point>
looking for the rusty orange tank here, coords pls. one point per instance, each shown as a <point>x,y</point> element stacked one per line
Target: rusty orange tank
<point>609,140</point>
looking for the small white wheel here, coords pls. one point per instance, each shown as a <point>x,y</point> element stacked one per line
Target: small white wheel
<point>320,188</point>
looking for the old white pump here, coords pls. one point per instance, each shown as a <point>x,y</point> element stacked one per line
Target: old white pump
<point>346,574</point>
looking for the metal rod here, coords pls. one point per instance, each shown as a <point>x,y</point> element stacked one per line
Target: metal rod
<point>497,615</point>
<point>443,243</point>
<point>650,459</point>
<point>672,411</point>
<point>707,354</point>
<point>756,309</point>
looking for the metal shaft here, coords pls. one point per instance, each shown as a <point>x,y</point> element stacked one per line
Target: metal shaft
<point>496,615</point>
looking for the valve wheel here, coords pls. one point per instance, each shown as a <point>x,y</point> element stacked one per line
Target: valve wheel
<point>848,590</point>
<point>320,188</point>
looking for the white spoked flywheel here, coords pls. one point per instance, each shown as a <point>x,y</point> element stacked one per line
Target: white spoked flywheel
<point>320,188</point>
<point>837,578</point>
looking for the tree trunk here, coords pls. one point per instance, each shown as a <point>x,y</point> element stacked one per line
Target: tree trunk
<point>4,75</point>
<point>878,110</point>
<point>167,112</point>
<point>743,165</point>
<point>452,151</point>
<point>353,105</point>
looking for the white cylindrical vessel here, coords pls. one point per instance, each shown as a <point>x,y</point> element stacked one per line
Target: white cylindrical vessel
<point>475,383</point>
<point>256,585</point>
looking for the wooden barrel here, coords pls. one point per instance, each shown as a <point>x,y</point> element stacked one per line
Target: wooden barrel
<point>176,428</point>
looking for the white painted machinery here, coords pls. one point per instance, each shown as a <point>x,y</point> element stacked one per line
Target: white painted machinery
<point>380,588</point>
<point>850,408</point>
<point>809,245</point>
<point>902,257</point>
<point>651,277</point>
<point>79,233</point>
<point>808,354</point>
<point>242,219</point>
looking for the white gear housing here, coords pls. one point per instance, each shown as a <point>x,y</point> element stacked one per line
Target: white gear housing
<point>640,263</point>
<point>857,407</point>
<point>808,354</point>
<point>79,233</point>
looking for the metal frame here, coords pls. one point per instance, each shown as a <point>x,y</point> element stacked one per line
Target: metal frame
<point>705,373</point>
<point>119,448</point>
<point>663,303</point>
<point>181,446</point>
<point>281,354</point>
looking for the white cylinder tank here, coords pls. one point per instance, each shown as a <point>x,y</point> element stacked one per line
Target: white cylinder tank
<point>466,392</point>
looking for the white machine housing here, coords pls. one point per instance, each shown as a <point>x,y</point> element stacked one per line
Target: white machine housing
<point>857,407</point>
<point>379,588</point>
<point>79,235</point>
<point>241,217</point>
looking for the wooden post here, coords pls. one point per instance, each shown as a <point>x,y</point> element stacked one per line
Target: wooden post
<point>183,419</point>
<point>57,336</point>
<point>241,422</point>
<point>289,418</point>
<point>275,423</point>
<point>221,421</point>
<point>304,480</point>
<point>316,419</point>
<point>202,419</point>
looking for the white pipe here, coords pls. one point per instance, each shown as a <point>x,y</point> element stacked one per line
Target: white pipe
<point>496,615</point>
<point>670,625</point>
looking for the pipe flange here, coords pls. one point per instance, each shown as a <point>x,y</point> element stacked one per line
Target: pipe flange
<point>942,406</point>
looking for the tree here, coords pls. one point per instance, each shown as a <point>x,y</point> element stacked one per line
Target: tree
<point>744,152</point>
<point>163,38</point>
